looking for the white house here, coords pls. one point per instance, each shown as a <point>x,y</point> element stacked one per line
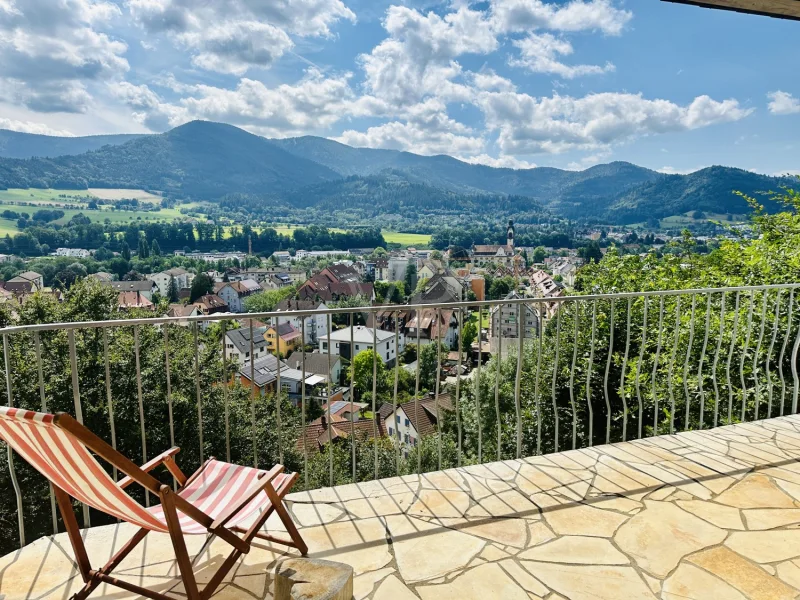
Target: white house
<point>72,252</point>
<point>504,319</point>
<point>363,339</point>
<point>397,267</point>
<point>183,279</point>
<point>234,293</point>
<point>413,420</point>
<point>237,344</point>
<point>316,326</point>
<point>317,364</point>
<point>145,288</point>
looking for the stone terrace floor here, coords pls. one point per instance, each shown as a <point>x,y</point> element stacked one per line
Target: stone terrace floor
<point>705,515</point>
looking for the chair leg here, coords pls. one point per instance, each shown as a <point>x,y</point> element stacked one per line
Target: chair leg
<point>277,503</point>
<point>74,533</point>
<point>178,543</point>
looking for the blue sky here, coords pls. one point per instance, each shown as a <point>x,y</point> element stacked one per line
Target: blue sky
<point>519,83</point>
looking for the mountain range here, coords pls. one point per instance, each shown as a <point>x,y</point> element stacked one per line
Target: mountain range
<point>205,161</point>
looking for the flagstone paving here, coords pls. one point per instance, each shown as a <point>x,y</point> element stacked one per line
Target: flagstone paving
<point>699,515</point>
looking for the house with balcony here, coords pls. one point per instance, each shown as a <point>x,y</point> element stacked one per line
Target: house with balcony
<point>235,292</point>
<point>315,325</point>
<point>283,338</point>
<point>363,338</point>
<point>504,319</point>
<point>316,363</point>
<point>183,279</point>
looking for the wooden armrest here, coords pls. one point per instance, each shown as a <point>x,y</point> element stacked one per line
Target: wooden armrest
<point>256,487</point>
<point>164,457</point>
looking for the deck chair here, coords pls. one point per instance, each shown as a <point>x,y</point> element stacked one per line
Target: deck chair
<point>219,499</point>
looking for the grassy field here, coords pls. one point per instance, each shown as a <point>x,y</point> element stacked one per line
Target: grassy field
<point>687,219</point>
<point>119,194</point>
<point>418,240</point>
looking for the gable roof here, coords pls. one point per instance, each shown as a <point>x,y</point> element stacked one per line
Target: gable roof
<point>240,338</point>
<point>133,286</point>
<point>133,300</point>
<point>265,367</point>
<point>295,304</point>
<point>422,415</point>
<point>316,435</point>
<point>211,302</point>
<point>316,362</point>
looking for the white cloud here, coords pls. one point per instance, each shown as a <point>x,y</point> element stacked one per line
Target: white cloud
<point>530,125</point>
<point>235,46</point>
<point>418,58</point>
<point>539,54</point>
<point>149,109</point>
<point>488,80</point>
<point>503,161</point>
<point>29,127</point>
<point>237,35</point>
<point>674,171</point>
<point>575,15</point>
<point>783,103</point>
<point>50,50</point>
<point>427,130</point>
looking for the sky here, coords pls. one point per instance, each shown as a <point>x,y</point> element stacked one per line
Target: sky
<point>512,83</point>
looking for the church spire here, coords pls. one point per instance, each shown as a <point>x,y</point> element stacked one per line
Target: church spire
<point>510,236</point>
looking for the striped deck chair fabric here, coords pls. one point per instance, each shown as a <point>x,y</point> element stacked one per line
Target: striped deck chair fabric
<point>220,498</point>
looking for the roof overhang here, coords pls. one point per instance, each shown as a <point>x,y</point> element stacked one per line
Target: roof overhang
<point>783,9</point>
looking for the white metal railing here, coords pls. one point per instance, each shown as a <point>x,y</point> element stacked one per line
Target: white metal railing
<point>600,368</point>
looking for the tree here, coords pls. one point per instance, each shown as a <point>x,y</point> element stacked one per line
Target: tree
<point>428,363</point>
<point>501,287</point>
<point>436,255</point>
<point>698,215</point>
<point>539,254</point>
<point>361,373</point>
<point>469,335</point>
<point>201,286</point>
<point>125,250</point>
<point>172,292</point>
<point>155,248</point>
<point>591,252</point>
<point>267,301</point>
<point>144,249</point>
<point>410,280</point>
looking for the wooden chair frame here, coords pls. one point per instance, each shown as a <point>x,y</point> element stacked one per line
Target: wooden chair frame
<point>172,503</point>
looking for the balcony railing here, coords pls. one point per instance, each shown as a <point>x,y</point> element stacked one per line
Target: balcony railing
<point>596,369</point>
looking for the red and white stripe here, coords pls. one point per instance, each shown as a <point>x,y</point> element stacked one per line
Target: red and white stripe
<point>68,464</point>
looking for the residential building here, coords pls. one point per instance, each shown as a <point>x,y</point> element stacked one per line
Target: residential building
<point>429,268</point>
<point>183,279</point>
<point>36,280</point>
<point>398,266</point>
<point>237,344</point>
<point>432,324</point>
<point>335,283</point>
<point>320,433</point>
<point>145,288</point>
<point>283,338</point>
<point>414,419</point>
<point>103,277</point>
<point>315,325</point>
<point>342,409</point>
<point>235,292</point>
<point>301,254</point>
<point>134,299</point>
<point>72,252</point>
<point>567,269</point>
<point>282,256</point>
<point>317,364</point>
<point>262,274</point>
<point>504,319</point>
<point>440,289</point>
<point>211,304</point>
<point>182,311</point>
<point>4,258</point>
<point>363,339</point>
<point>275,281</point>
<point>381,269</point>
<point>261,374</point>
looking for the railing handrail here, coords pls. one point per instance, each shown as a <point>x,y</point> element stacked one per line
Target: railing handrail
<point>383,307</point>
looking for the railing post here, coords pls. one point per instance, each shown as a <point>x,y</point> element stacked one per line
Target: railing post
<point>11,470</point>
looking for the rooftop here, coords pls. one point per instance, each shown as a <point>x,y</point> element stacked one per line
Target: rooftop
<point>702,514</point>
<point>361,334</point>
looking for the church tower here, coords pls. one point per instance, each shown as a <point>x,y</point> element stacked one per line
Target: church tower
<point>510,240</point>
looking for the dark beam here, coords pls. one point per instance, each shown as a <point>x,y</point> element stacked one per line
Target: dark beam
<point>782,9</point>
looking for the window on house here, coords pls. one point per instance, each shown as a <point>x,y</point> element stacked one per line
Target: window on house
<point>397,418</point>
<point>324,345</point>
<point>407,422</point>
<point>406,438</point>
